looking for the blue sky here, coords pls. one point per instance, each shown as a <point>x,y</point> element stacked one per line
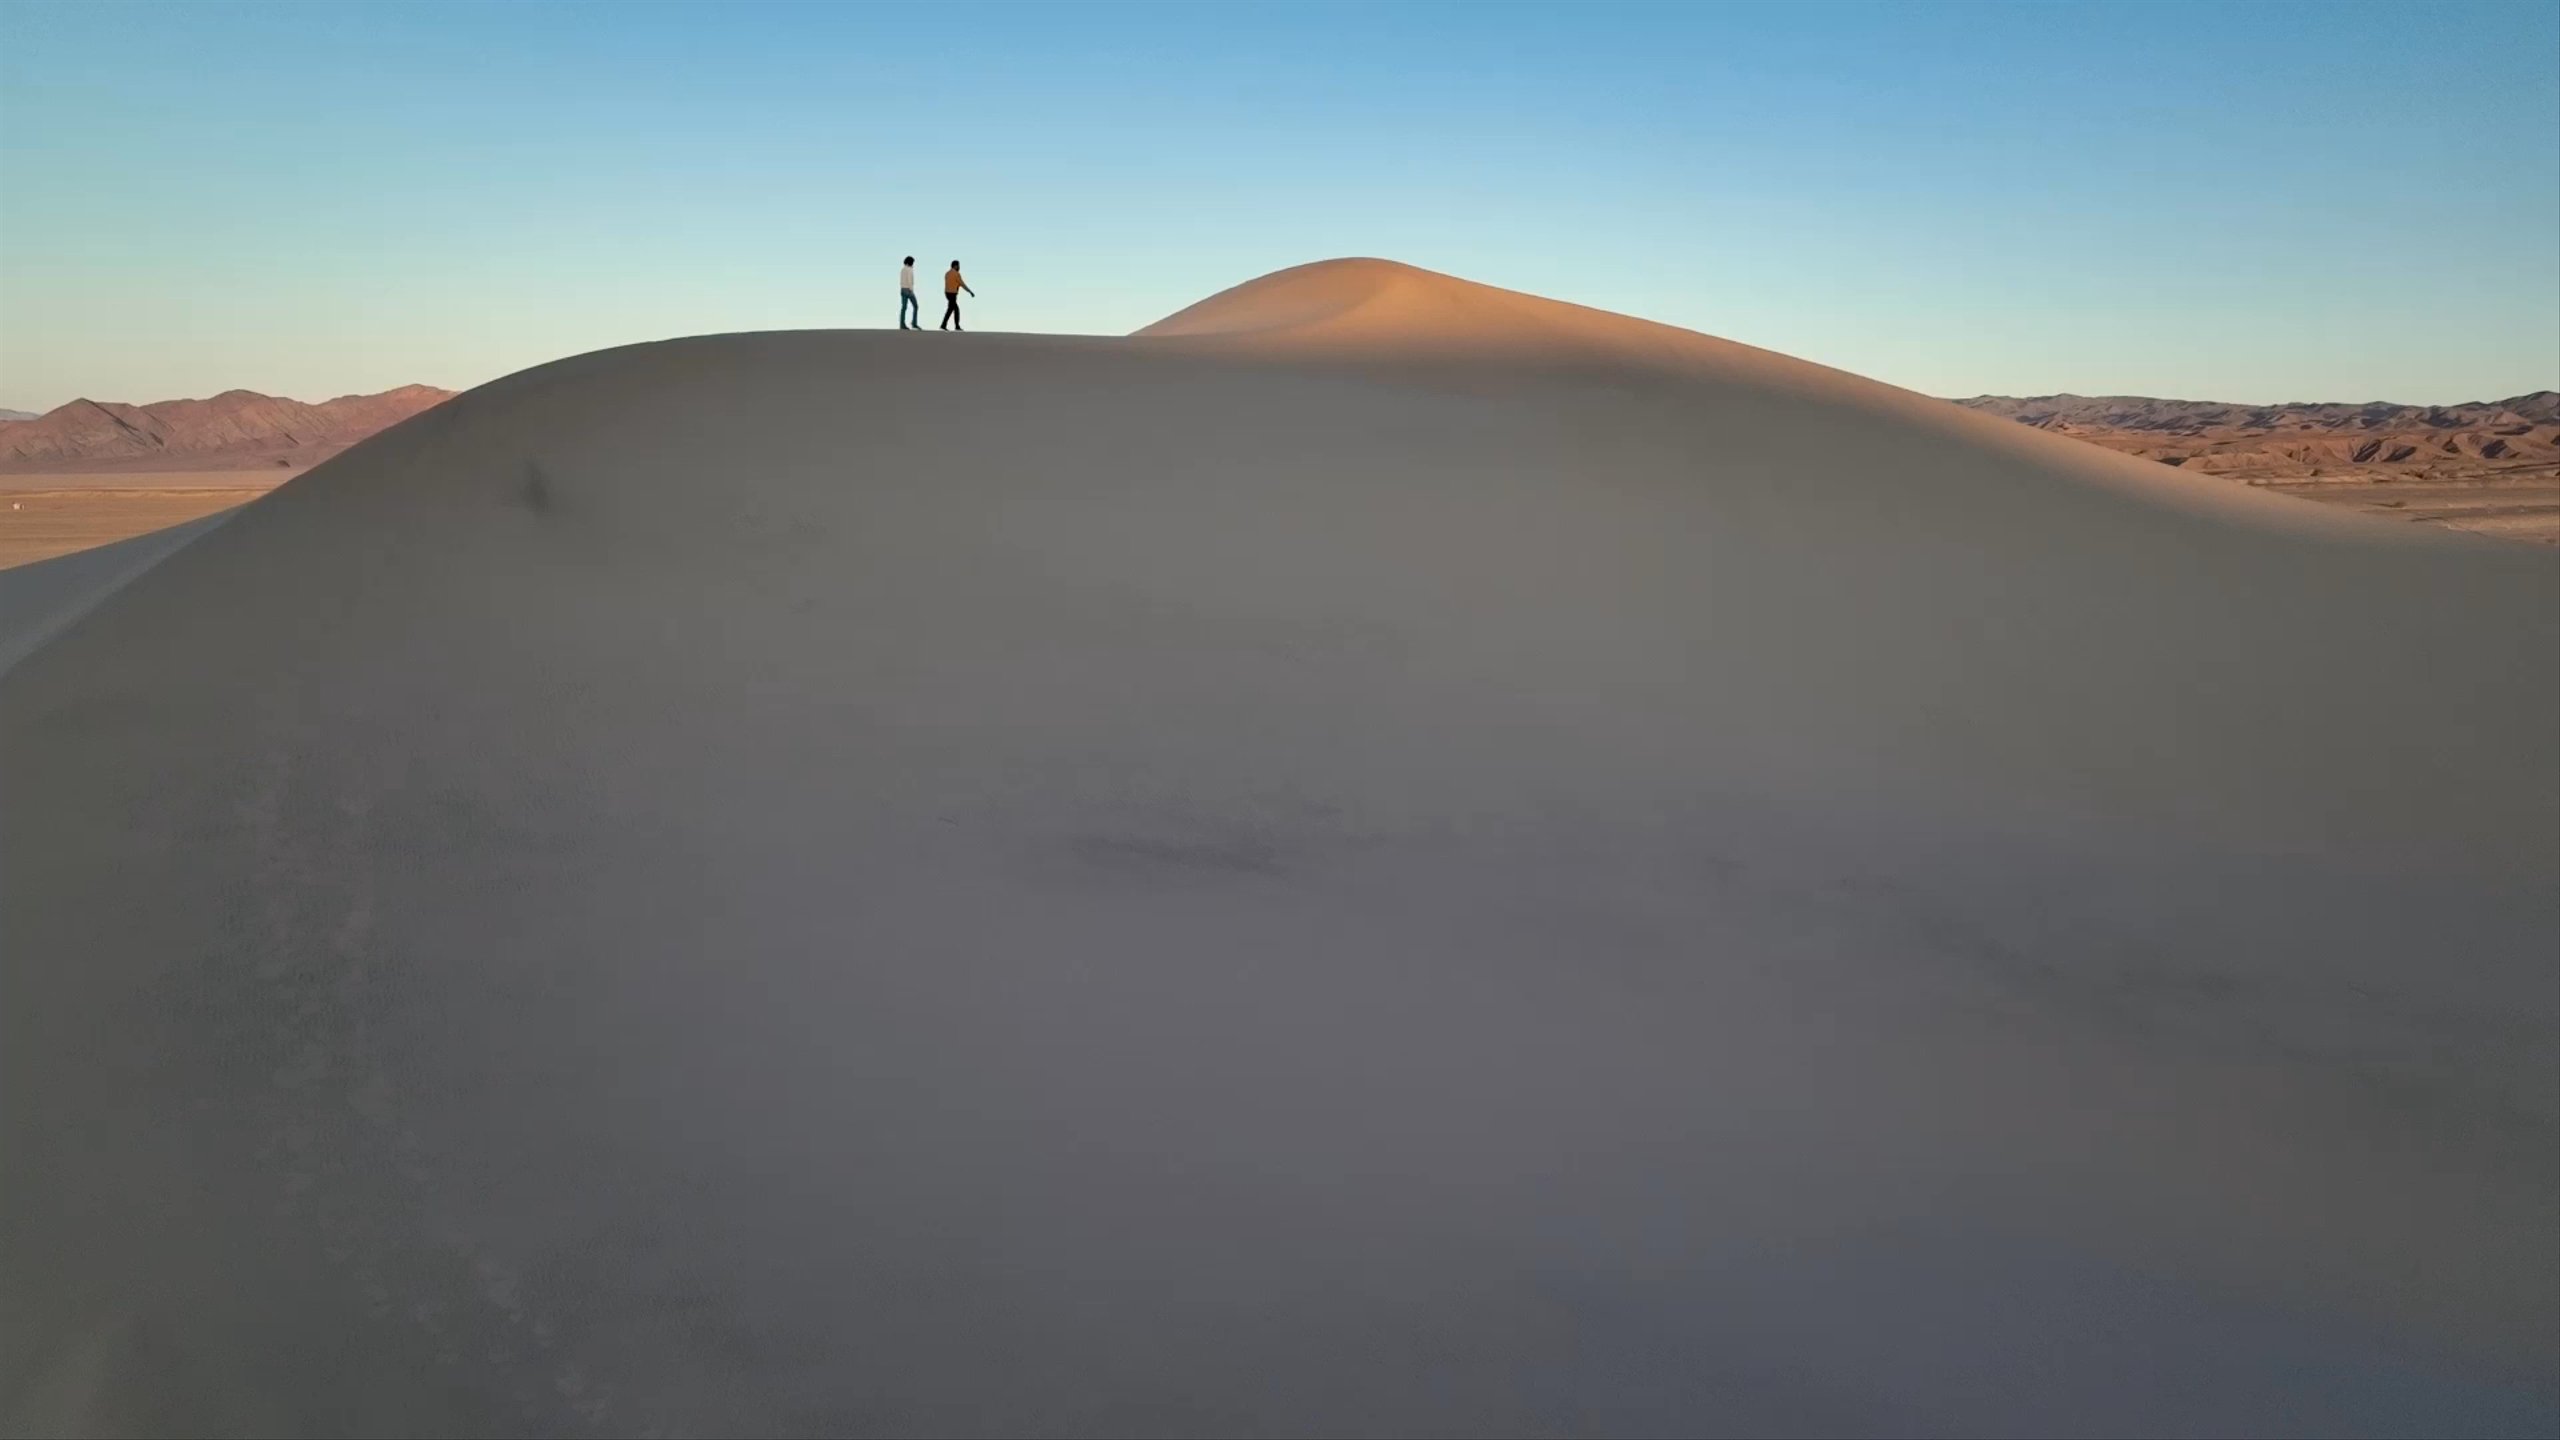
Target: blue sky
<point>2254,201</point>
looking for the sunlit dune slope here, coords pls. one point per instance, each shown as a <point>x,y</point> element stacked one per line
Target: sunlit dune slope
<point>1384,312</point>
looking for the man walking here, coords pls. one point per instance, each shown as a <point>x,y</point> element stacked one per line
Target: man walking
<point>909,317</point>
<point>952,285</point>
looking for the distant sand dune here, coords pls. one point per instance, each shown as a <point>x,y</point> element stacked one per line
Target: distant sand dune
<point>1385,311</point>
<point>1385,856</point>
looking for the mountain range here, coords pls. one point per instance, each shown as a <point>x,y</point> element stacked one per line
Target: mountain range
<point>2300,441</point>
<point>235,430</point>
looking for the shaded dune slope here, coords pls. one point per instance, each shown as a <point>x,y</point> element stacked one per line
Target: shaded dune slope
<point>1384,856</point>
<point>40,600</point>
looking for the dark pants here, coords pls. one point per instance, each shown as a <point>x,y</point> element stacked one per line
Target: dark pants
<point>950,311</point>
<point>909,317</point>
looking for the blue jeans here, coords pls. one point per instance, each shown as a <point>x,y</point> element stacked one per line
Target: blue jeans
<point>908,316</point>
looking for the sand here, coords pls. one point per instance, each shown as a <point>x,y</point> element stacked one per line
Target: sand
<point>1393,857</point>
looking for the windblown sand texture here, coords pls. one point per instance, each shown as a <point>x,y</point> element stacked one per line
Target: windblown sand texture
<point>1384,856</point>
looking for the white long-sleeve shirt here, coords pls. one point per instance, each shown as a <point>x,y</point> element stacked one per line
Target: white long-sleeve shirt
<point>906,277</point>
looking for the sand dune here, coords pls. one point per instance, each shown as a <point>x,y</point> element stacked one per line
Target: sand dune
<point>1384,856</point>
<point>1367,312</point>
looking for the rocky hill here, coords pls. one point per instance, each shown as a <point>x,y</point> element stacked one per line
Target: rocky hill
<point>2519,436</point>
<point>235,430</point>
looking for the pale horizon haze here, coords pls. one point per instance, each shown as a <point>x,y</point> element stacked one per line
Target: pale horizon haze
<point>2263,203</point>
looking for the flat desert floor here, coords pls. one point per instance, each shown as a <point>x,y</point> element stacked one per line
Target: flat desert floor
<point>42,516</point>
<point>2525,509</point>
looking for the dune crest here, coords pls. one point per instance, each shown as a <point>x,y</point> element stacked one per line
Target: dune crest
<point>1365,306</point>
<point>1363,299</point>
<point>1386,312</point>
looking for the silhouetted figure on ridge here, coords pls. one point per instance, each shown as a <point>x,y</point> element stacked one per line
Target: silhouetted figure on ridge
<point>952,285</point>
